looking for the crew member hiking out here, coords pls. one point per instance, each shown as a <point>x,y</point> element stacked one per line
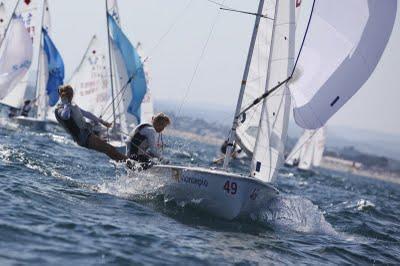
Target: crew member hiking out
<point>142,144</point>
<point>72,119</point>
<point>28,104</point>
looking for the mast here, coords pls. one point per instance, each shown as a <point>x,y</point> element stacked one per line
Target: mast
<point>232,134</point>
<point>111,70</point>
<point>38,92</point>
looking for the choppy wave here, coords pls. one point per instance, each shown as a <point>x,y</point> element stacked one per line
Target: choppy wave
<point>64,204</point>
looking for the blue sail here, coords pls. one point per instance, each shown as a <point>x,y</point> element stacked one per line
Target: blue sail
<point>56,69</point>
<point>134,67</point>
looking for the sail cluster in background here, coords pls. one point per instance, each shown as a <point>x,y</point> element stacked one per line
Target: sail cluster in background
<point>37,68</point>
<point>309,149</point>
<point>342,46</point>
<point>31,68</point>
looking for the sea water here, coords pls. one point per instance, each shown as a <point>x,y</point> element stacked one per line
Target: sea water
<point>62,204</point>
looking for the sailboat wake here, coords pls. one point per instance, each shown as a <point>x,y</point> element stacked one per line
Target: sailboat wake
<point>294,213</point>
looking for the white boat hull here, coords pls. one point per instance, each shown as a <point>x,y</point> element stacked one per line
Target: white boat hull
<point>31,122</point>
<point>222,194</point>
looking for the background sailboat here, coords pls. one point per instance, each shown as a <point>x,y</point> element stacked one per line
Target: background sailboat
<point>308,150</point>
<point>46,72</point>
<point>16,56</point>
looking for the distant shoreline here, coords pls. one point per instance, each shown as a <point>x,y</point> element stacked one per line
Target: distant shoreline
<point>384,176</point>
<point>212,140</point>
<point>216,141</point>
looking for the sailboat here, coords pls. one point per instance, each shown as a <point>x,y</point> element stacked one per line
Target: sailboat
<point>101,81</point>
<point>308,150</point>
<point>46,72</point>
<point>16,56</point>
<point>336,50</point>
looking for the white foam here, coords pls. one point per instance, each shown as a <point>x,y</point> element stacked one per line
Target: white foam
<point>295,213</point>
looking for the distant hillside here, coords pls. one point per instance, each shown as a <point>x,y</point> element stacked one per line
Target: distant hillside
<point>379,144</point>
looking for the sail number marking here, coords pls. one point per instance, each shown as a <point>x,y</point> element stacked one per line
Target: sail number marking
<point>230,187</point>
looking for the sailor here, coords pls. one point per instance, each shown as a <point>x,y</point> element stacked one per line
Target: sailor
<point>12,112</point>
<point>27,107</point>
<point>142,144</point>
<point>234,153</point>
<point>72,119</point>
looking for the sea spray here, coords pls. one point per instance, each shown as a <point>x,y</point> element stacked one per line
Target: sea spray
<point>294,213</point>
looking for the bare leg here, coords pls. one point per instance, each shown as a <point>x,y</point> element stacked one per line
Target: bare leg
<point>96,143</point>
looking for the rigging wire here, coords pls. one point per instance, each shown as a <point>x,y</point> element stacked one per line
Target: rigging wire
<point>188,88</point>
<point>218,3</point>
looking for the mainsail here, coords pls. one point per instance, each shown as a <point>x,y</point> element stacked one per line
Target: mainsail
<point>272,131</point>
<point>147,108</point>
<point>344,43</point>
<point>246,133</point>
<point>91,81</point>
<point>306,154</point>
<point>319,146</point>
<point>15,59</point>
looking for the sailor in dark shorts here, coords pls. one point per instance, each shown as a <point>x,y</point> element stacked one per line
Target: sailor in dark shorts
<point>72,119</point>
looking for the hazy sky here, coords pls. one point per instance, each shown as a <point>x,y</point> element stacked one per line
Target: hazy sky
<point>172,63</point>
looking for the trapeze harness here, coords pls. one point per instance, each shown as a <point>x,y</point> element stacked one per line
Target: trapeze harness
<point>26,109</point>
<point>79,135</point>
<point>137,143</point>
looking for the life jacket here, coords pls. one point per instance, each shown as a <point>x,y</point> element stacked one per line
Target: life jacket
<point>137,140</point>
<point>69,125</point>
<point>25,110</point>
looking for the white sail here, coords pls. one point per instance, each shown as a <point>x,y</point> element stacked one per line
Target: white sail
<point>147,107</point>
<point>31,12</point>
<point>308,150</point>
<point>272,132</point>
<point>15,61</point>
<point>319,146</point>
<point>114,10</point>
<point>294,155</point>
<point>122,96</point>
<point>345,42</point>
<point>307,153</point>
<point>46,17</point>
<point>41,95</point>
<point>246,132</point>
<point>91,81</point>
<point>3,21</point>
<point>43,74</point>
